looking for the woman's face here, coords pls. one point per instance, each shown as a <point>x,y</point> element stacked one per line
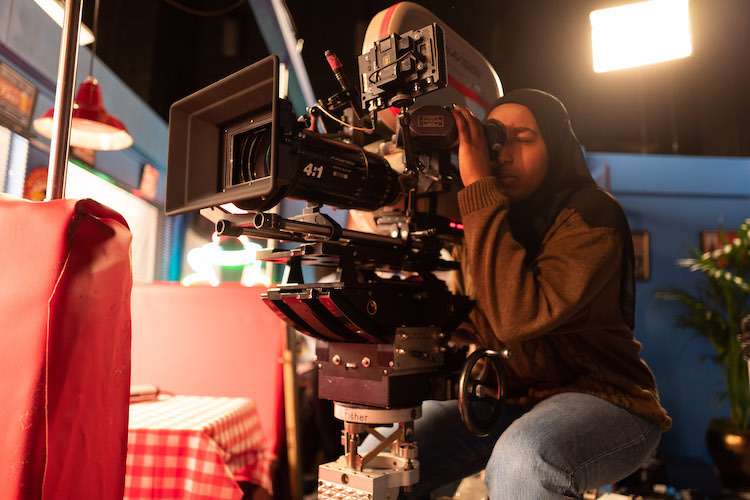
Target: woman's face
<point>521,165</point>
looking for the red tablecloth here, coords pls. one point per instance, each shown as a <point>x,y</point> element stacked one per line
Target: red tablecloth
<point>191,447</point>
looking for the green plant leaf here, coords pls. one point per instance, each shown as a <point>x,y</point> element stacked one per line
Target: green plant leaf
<point>714,310</point>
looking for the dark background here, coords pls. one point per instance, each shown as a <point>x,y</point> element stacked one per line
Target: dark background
<point>697,105</point>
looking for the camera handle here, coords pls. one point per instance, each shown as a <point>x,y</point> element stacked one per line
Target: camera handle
<point>472,391</point>
<point>409,178</point>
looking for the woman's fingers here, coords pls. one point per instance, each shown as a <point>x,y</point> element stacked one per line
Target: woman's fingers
<point>473,160</point>
<point>461,125</point>
<point>472,126</point>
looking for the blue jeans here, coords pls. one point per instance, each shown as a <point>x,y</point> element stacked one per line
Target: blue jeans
<point>559,448</point>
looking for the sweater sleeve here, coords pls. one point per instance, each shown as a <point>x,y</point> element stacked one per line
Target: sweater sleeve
<point>576,262</point>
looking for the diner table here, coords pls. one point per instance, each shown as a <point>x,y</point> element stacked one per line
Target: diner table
<point>194,447</point>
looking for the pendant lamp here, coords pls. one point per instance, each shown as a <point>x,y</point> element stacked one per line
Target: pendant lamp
<point>91,126</point>
<point>56,10</point>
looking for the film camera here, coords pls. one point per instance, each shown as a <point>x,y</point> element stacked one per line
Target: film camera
<point>236,150</point>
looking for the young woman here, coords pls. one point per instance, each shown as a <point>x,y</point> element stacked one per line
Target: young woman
<point>549,259</point>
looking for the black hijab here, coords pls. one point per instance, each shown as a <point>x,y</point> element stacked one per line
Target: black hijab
<point>530,219</point>
<point>567,173</point>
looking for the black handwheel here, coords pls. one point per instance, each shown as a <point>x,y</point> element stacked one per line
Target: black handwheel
<point>481,402</point>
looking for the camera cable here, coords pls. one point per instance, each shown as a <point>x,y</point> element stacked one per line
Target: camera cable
<point>342,122</point>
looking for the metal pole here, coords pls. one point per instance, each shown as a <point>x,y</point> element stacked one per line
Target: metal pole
<point>66,77</point>
<point>291,413</point>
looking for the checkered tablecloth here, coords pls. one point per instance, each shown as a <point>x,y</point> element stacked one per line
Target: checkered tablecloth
<point>190,447</point>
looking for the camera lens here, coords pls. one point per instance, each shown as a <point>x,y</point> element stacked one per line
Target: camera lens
<point>251,156</point>
<point>255,156</point>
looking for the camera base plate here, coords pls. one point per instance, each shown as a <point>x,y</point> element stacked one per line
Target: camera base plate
<point>381,480</point>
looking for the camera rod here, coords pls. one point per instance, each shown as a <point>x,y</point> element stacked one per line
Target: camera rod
<point>270,225</point>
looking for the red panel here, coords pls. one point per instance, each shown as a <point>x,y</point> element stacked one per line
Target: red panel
<point>206,341</point>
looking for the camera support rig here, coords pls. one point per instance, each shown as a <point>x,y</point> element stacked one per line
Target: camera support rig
<point>378,474</point>
<point>384,322</point>
<point>379,358</point>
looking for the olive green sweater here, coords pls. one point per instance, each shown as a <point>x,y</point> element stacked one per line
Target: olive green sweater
<point>561,317</point>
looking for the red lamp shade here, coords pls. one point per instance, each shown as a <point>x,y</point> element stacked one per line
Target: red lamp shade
<point>92,127</point>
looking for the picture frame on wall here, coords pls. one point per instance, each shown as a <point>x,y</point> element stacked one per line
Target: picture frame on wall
<point>642,255</point>
<point>712,239</point>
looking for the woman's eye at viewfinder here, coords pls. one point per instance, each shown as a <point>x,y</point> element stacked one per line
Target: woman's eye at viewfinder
<point>523,135</point>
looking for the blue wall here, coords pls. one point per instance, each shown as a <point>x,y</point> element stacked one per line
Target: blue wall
<point>674,198</point>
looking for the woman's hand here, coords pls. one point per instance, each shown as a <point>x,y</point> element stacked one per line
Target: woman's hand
<point>473,155</point>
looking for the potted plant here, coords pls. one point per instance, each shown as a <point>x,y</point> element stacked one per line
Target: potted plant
<point>715,309</point>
